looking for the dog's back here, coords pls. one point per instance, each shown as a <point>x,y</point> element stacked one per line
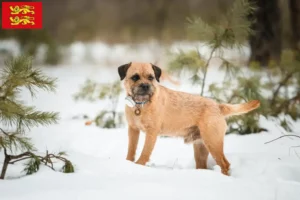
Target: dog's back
<point>182,110</point>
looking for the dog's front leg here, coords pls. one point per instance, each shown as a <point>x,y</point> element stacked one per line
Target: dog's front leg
<point>133,139</point>
<point>148,148</point>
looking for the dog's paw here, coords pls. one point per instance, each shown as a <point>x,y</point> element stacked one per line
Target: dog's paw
<point>130,159</point>
<point>140,162</point>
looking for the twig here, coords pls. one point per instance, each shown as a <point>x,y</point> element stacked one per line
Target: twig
<point>282,137</point>
<point>5,133</point>
<point>46,160</point>
<point>294,150</point>
<point>28,153</point>
<point>282,83</point>
<point>13,162</point>
<point>51,167</point>
<point>296,154</point>
<point>205,68</point>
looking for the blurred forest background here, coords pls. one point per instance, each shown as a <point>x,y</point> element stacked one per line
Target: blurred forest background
<point>133,21</point>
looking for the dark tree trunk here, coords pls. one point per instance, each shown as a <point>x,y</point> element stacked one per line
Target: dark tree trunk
<point>295,23</point>
<point>161,17</point>
<point>265,43</point>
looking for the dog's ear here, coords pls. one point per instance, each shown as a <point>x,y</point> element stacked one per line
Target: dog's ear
<point>157,72</point>
<point>122,70</point>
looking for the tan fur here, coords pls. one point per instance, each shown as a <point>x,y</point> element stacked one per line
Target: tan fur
<point>174,113</point>
<point>238,109</point>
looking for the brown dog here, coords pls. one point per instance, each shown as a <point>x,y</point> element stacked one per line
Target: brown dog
<point>161,111</point>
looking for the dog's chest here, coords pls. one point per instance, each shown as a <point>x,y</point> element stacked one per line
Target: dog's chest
<point>142,122</point>
<point>139,124</point>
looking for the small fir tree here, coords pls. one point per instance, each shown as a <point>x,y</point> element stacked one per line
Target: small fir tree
<point>17,118</point>
<point>231,31</point>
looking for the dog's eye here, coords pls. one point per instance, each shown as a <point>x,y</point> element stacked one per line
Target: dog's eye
<point>135,77</point>
<point>150,78</point>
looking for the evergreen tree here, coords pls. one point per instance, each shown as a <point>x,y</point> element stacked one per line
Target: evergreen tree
<point>231,31</point>
<point>17,118</point>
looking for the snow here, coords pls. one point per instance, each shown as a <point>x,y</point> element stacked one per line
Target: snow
<point>258,171</point>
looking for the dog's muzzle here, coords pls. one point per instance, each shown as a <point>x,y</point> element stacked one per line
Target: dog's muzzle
<point>143,89</point>
<point>142,93</point>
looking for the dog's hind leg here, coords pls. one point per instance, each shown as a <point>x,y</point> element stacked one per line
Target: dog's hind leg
<point>200,155</point>
<point>200,151</point>
<point>212,133</point>
<point>133,139</point>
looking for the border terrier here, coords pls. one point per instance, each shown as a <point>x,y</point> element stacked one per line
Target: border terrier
<point>157,110</point>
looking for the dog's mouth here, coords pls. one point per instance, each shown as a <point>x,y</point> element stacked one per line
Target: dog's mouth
<point>141,97</point>
<point>142,93</point>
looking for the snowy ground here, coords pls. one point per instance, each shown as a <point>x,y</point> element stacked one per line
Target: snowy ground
<point>258,171</point>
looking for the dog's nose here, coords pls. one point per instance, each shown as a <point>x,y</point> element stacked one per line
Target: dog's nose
<point>145,86</point>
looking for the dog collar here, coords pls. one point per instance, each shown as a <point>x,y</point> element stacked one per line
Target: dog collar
<point>141,103</point>
<point>138,105</point>
<point>131,103</point>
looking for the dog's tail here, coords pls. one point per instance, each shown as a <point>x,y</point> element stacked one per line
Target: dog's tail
<point>238,109</point>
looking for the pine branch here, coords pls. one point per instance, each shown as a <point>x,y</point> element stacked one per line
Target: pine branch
<point>19,72</point>
<point>35,118</point>
<point>33,165</point>
<point>13,141</point>
<point>231,30</point>
<point>13,157</point>
<point>18,160</point>
<point>12,113</point>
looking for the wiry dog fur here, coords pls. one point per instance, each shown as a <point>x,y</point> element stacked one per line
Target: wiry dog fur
<point>198,120</point>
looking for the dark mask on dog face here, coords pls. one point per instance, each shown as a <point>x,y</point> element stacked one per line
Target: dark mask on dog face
<point>140,79</point>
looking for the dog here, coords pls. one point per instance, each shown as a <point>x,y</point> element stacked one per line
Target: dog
<point>157,110</point>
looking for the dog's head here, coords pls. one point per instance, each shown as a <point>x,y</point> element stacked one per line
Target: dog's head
<point>140,80</point>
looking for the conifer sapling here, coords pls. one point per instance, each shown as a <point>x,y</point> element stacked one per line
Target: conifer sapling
<point>17,118</point>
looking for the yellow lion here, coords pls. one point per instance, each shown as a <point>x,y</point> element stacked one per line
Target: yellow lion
<point>23,20</point>
<point>15,10</point>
